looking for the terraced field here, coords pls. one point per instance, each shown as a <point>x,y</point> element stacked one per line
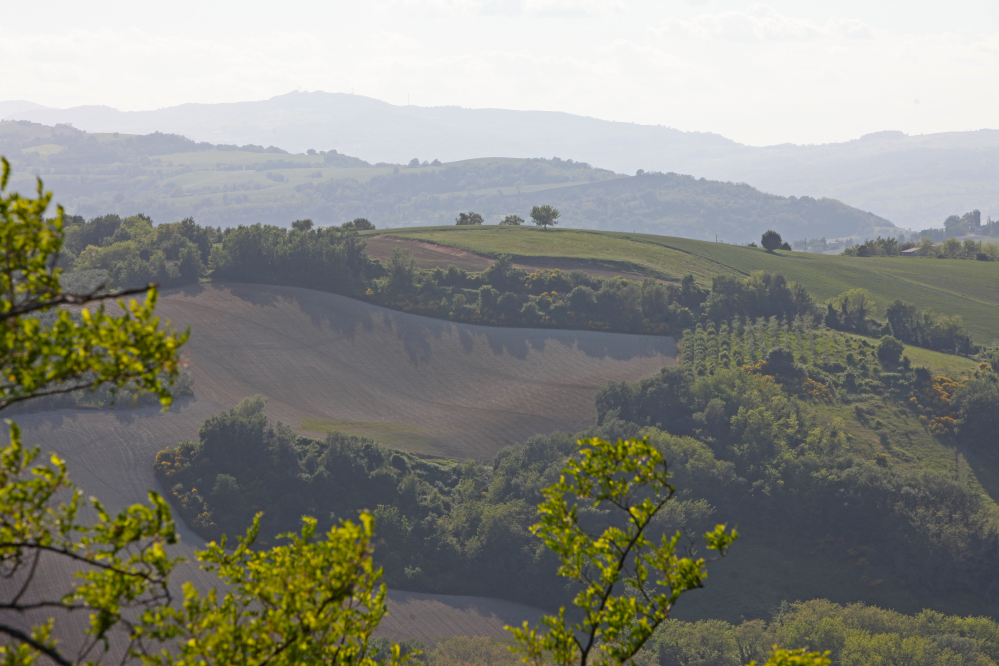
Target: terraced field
<point>951,286</point>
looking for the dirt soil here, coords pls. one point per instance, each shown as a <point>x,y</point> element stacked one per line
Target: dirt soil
<point>430,255</point>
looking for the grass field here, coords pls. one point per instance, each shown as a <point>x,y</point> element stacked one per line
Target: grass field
<point>951,286</point>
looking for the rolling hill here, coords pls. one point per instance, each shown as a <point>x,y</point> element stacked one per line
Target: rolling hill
<point>950,286</point>
<point>170,177</point>
<point>914,181</point>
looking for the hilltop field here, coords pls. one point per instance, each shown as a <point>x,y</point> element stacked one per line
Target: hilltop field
<point>948,286</point>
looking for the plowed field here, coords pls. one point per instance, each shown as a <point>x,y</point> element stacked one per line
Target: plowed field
<point>430,255</point>
<point>328,361</point>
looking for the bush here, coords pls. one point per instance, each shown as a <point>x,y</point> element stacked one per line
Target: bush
<point>890,351</point>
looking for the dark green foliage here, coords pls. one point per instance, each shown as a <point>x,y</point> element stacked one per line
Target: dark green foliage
<point>890,351</point>
<point>512,221</point>
<point>977,404</point>
<point>760,295</point>
<point>771,240</point>
<point>928,329</point>
<point>468,219</point>
<point>331,258</point>
<point>853,634</point>
<point>441,526</point>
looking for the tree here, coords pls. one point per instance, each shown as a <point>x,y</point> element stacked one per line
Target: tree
<point>512,221</point>
<point>629,476</point>
<point>468,219</point>
<point>951,248</point>
<point>362,224</point>
<point>401,270</point>
<point>413,163</point>
<point>771,240</point>
<point>855,306</point>
<point>301,225</point>
<point>313,600</point>
<point>545,216</point>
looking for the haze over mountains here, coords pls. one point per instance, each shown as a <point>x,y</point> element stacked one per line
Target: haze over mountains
<point>913,181</point>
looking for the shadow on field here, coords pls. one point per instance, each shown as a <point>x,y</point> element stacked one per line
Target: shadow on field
<point>418,334</point>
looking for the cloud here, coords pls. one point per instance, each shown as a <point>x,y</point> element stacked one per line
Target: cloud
<point>761,23</point>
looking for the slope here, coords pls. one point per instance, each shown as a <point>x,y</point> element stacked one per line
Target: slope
<point>949,286</point>
<point>912,180</point>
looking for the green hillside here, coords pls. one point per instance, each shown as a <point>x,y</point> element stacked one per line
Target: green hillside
<point>950,286</point>
<point>170,177</point>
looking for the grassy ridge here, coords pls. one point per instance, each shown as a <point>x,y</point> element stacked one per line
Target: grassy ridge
<point>950,286</point>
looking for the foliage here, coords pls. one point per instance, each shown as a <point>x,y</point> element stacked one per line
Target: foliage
<point>512,221</point>
<point>468,219</point>
<point>960,225</point>
<point>879,247</point>
<point>771,240</point>
<point>459,528</point>
<point>928,329</point>
<point>614,627</point>
<point>315,598</point>
<point>545,216</point>
<point>66,354</point>
<point>974,408</point>
<point>135,253</point>
<point>889,351</point>
<point>473,651</point>
<point>361,224</point>
<point>846,635</point>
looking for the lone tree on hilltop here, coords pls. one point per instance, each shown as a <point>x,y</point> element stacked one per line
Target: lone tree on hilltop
<point>771,240</point>
<point>468,219</point>
<point>544,216</point>
<point>362,224</point>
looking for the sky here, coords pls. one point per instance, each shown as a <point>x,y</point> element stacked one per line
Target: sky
<point>762,74</point>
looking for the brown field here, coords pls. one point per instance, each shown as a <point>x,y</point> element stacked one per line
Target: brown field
<point>430,255</point>
<point>323,360</point>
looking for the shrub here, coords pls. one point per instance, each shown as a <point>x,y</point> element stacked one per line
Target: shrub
<point>890,351</point>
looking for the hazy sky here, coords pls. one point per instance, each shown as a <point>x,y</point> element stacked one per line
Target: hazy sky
<point>785,71</point>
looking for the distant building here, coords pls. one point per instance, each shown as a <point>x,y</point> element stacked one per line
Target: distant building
<point>911,252</point>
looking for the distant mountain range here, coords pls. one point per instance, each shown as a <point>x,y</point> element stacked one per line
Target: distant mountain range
<point>914,181</point>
